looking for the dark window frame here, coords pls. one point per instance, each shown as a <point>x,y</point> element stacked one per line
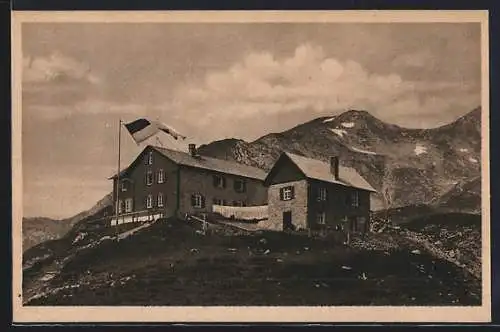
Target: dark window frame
<point>240,185</point>
<point>287,189</point>
<point>149,175</point>
<point>219,181</point>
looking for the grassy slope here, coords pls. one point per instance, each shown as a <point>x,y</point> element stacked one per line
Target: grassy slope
<point>168,264</point>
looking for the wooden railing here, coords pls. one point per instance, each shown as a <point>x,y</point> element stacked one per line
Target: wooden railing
<point>136,216</point>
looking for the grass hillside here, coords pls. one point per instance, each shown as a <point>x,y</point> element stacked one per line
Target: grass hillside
<point>170,264</point>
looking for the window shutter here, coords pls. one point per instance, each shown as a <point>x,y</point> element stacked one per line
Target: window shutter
<point>193,200</point>
<point>223,182</point>
<point>281,193</point>
<point>244,186</point>
<point>293,191</point>
<point>202,202</point>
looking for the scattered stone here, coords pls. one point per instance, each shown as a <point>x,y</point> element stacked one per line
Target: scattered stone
<point>267,252</point>
<point>306,248</point>
<point>279,260</point>
<point>346,267</point>
<point>194,250</point>
<point>232,249</point>
<point>416,252</point>
<point>263,241</point>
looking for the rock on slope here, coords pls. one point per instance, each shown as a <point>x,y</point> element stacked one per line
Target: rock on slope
<point>417,166</point>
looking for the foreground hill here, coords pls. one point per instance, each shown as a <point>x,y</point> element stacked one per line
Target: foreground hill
<point>416,166</point>
<point>169,263</point>
<point>37,230</point>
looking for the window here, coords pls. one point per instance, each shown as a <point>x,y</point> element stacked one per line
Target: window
<point>123,185</point>
<point>149,178</point>
<point>161,176</point>
<point>198,201</point>
<point>218,201</point>
<point>149,160</point>
<point>287,193</point>
<point>240,186</point>
<point>120,206</point>
<point>160,200</point>
<point>149,201</point>
<point>219,181</point>
<point>321,218</point>
<point>355,199</point>
<point>128,205</point>
<point>321,194</point>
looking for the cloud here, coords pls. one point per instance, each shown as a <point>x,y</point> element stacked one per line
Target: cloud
<point>56,68</point>
<point>87,107</point>
<point>414,60</point>
<point>263,86</point>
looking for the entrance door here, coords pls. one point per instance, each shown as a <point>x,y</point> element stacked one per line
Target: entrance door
<point>287,220</point>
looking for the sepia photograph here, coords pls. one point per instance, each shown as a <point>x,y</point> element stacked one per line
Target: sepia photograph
<point>314,166</point>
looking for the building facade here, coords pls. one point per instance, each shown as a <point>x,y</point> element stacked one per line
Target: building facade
<point>173,183</point>
<point>305,193</point>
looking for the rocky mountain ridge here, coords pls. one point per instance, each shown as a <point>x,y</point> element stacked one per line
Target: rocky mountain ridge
<point>414,166</point>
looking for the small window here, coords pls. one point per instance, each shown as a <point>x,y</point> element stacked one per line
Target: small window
<point>355,199</point>
<point>149,178</point>
<point>149,201</point>
<point>120,206</point>
<point>161,176</point>
<point>150,158</point>
<point>198,201</point>
<point>123,185</point>
<point>160,200</point>
<point>321,218</point>
<point>219,181</point>
<point>321,194</point>
<point>240,186</point>
<point>128,205</point>
<point>287,193</point>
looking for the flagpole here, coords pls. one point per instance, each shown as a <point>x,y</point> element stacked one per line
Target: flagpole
<point>118,173</point>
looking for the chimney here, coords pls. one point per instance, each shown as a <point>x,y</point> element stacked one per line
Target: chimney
<point>192,150</point>
<point>334,167</point>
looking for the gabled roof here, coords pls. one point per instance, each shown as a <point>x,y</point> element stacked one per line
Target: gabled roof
<point>208,163</point>
<point>320,170</point>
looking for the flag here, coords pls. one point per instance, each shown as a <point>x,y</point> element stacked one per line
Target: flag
<point>142,129</point>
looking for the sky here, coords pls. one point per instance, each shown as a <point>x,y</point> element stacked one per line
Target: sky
<point>213,81</point>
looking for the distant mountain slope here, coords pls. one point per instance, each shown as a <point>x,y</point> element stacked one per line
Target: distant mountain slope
<point>417,166</point>
<point>465,196</point>
<point>39,229</point>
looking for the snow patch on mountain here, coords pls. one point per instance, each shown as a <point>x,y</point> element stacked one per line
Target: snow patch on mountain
<point>339,132</point>
<point>347,124</point>
<point>363,151</point>
<point>463,150</point>
<point>473,160</point>
<point>328,120</point>
<point>419,149</point>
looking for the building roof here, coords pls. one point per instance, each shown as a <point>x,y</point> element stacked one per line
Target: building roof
<point>208,163</point>
<point>320,170</point>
